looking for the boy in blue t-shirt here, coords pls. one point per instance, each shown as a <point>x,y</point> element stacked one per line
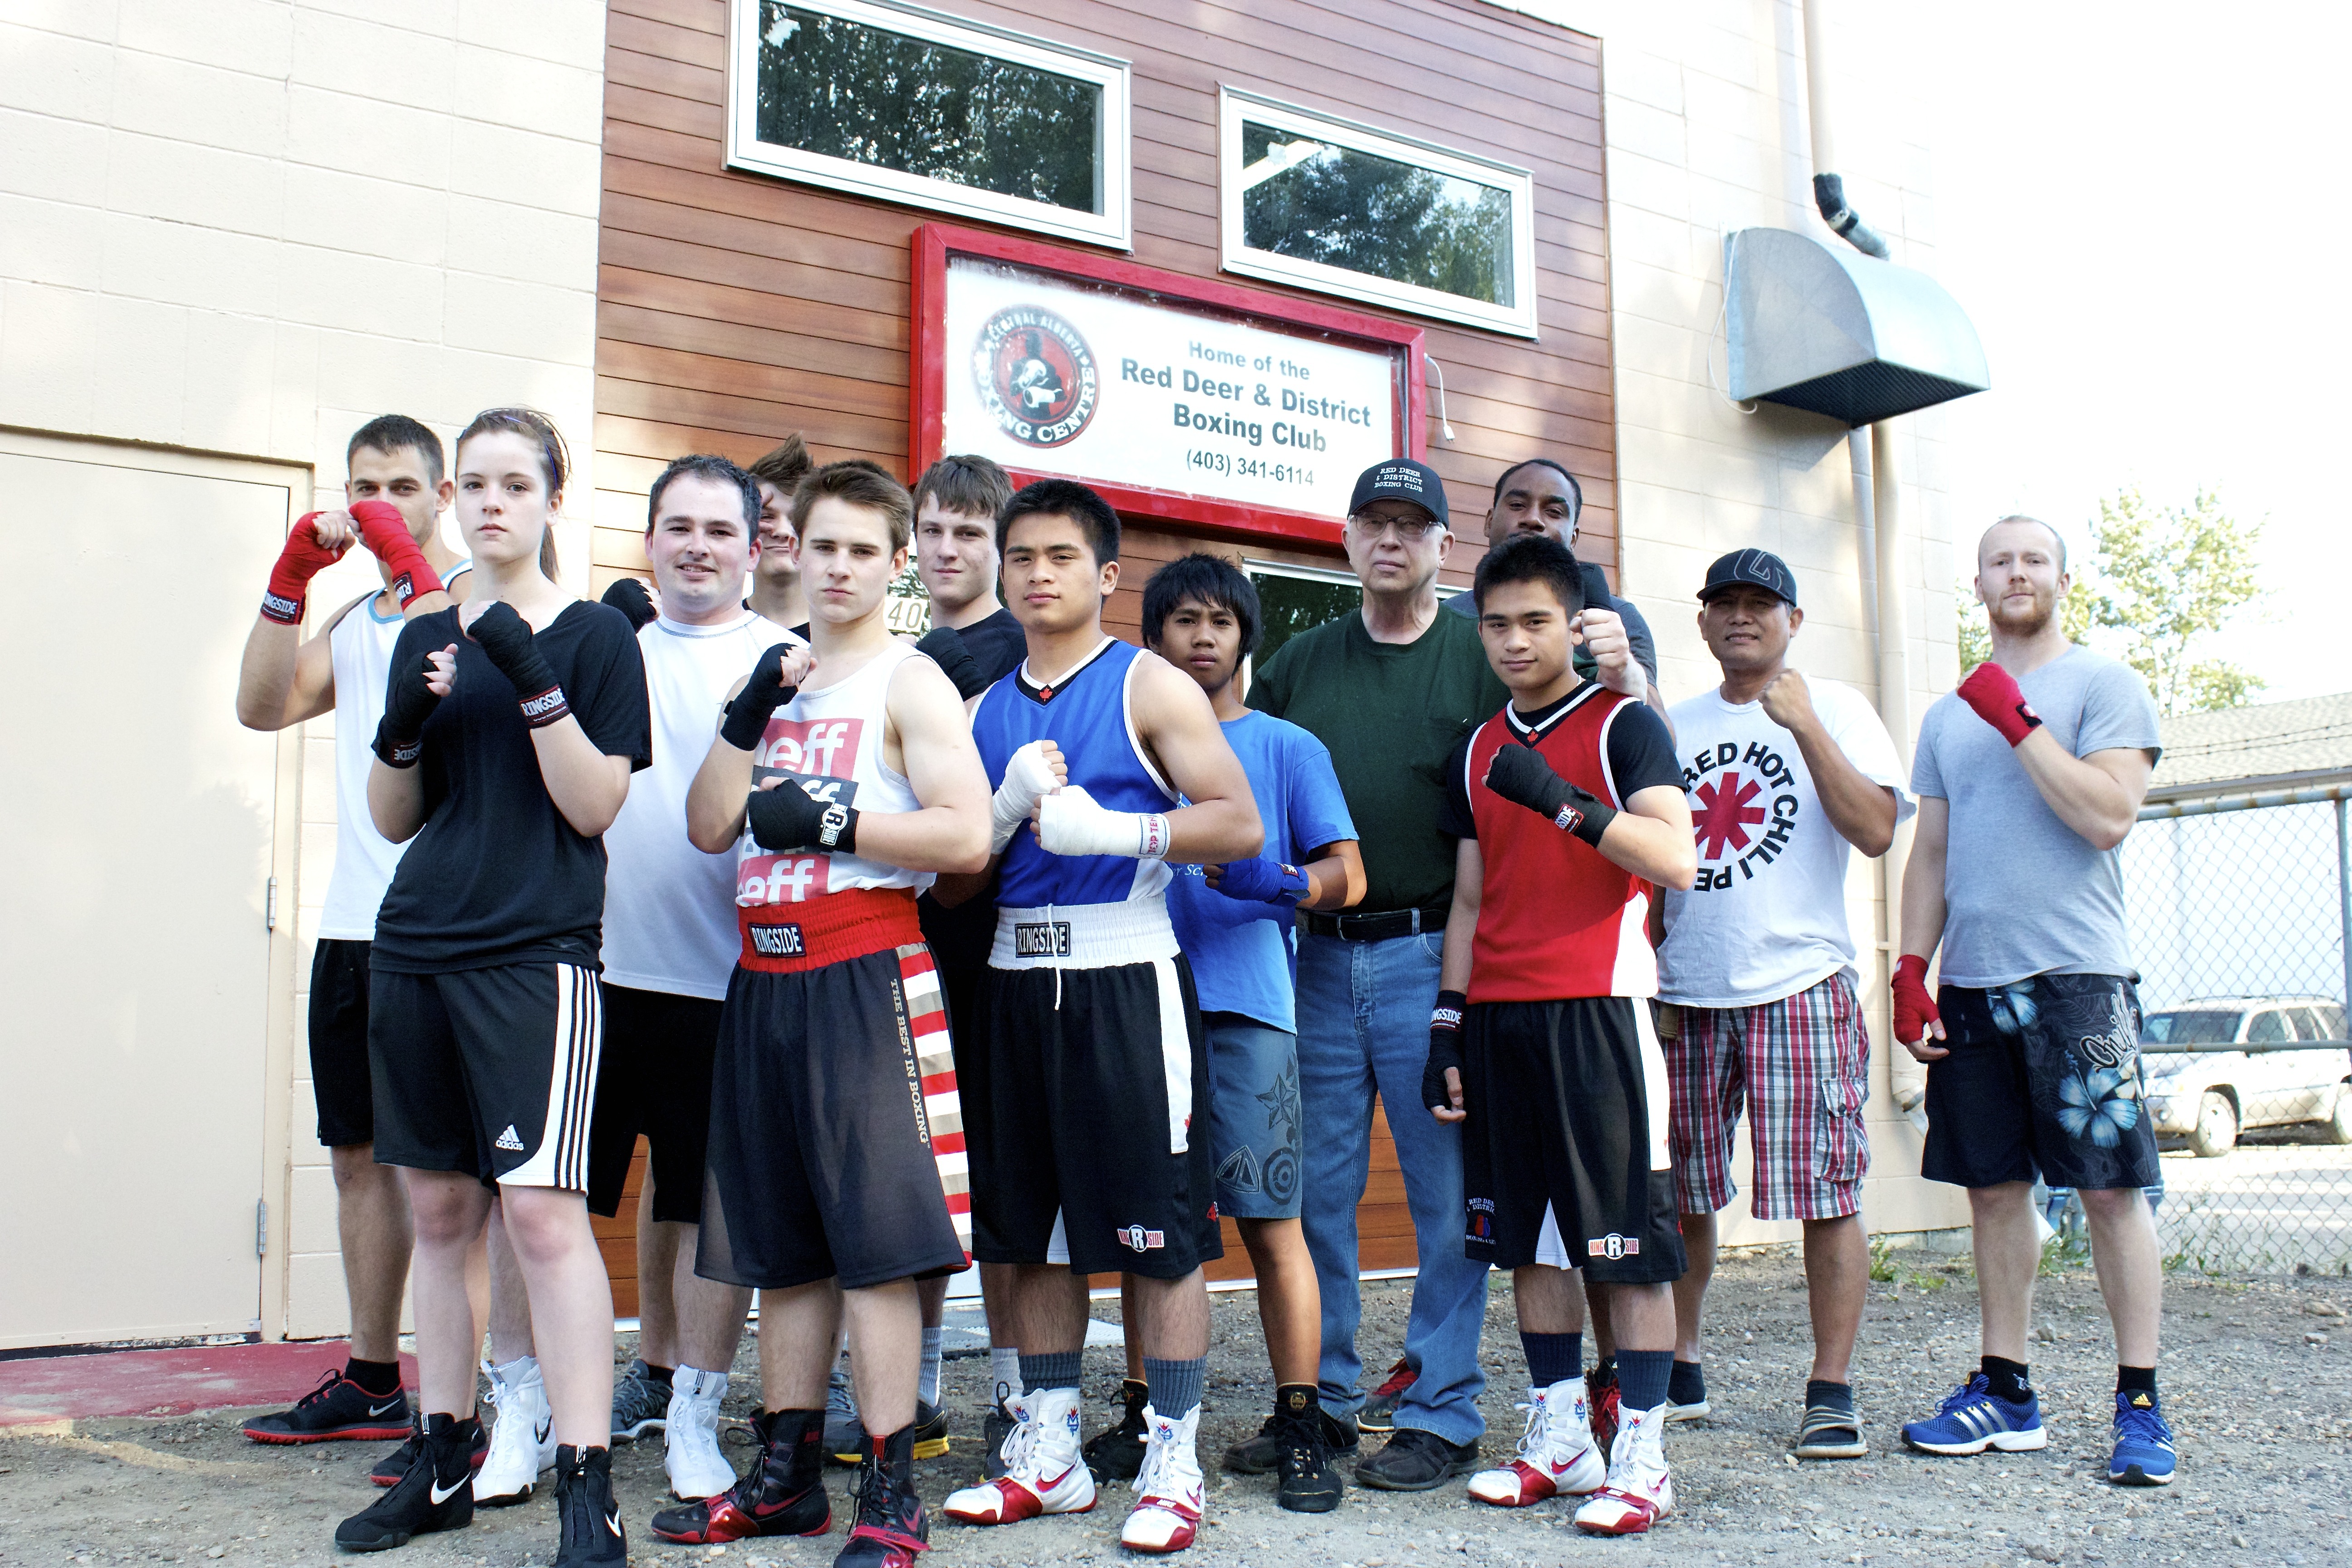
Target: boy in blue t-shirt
<point>1233,922</point>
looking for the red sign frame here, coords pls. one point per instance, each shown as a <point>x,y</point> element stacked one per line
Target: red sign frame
<point>934,243</point>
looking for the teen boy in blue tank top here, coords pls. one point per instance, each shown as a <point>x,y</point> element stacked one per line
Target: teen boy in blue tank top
<point>1087,1134</point>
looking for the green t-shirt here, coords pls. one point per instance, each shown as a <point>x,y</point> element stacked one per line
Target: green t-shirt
<point>1391,714</point>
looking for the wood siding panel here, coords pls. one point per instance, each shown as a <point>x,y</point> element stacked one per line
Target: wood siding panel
<point>734,308</point>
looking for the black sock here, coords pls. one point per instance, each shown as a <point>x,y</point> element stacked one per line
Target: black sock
<point>660,1374</point>
<point>1836,1395</point>
<point>2007,1379</point>
<point>1642,1377</point>
<point>1552,1358</point>
<point>1687,1384</point>
<point>2134,1379</point>
<point>381,1378</point>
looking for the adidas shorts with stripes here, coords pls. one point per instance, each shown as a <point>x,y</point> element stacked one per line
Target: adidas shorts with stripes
<point>837,1138</point>
<point>488,1071</point>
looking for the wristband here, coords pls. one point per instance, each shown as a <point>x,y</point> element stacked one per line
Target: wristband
<point>747,716</point>
<point>385,533</point>
<point>408,702</point>
<point>1445,1049</point>
<point>787,818</point>
<point>1263,881</point>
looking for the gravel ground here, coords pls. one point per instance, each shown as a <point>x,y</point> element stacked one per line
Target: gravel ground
<point>2263,1409</point>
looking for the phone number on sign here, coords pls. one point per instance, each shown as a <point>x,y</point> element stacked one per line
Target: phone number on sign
<point>1248,467</point>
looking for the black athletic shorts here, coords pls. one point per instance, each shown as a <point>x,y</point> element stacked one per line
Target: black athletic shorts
<point>653,1077</point>
<point>2043,1076</point>
<point>488,1071</point>
<point>1092,1147</point>
<point>1564,1156</point>
<point>836,1142</point>
<point>339,1042</point>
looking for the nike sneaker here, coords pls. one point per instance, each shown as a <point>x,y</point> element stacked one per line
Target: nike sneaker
<point>1044,1472</point>
<point>891,1526</point>
<point>845,1433</point>
<point>338,1410</point>
<point>594,1536</point>
<point>1638,1491</point>
<point>1115,1453</point>
<point>436,1494</point>
<point>784,1494</point>
<point>640,1403</point>
<point>2144,1455</point>
<point>394,1465</point>
<point>691,1457</point>
<point>1168,1499</point>
<point>1557,1453</point>
<point>1973,1419</point>
<point>523,1439</point>
<point>1379,1414</point>
<point>931,1431</point>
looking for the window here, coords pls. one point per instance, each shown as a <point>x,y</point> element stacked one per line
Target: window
<point>1345,209</point>
<point>907,105</point>
<point>2169,1028</point>
<point>2268,1028</point>
<point>1294,599</point>
<point>2306,1024</point>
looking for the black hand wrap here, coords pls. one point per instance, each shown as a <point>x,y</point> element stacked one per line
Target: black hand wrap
<point>945,645</point>
<point>408,702</point>
<point>1445,1049</point>
<point>505,637</point>
<point>748,715</point>
<point>628,596</point>
<point>1520,776</point>
<point>787,817</point>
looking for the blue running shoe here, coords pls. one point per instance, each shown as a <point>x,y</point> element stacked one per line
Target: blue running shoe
<point>1971,1420</point>
<point>2144,1455</point>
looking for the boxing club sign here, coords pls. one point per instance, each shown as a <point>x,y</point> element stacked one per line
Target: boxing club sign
<point>1155,388</point>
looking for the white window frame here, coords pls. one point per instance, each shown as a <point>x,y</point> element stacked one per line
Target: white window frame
<point>1114,158</point>
<point>1234,106</point>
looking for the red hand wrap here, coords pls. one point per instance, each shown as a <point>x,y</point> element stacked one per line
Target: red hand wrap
<point>385,533</point>
<point>1993,692</point>
<point>290,581</point>
<point>1913,1008</point>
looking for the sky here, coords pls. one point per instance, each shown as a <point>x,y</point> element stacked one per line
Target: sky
<point>2144,208</point>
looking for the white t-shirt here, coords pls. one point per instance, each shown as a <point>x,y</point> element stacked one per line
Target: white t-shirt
<point>669,909</point>
<point>360,644</point>
<point>1767,917</point>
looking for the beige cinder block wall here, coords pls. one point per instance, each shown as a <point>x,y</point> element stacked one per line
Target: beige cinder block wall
<point>1706,133</point>
<point>246,227</point>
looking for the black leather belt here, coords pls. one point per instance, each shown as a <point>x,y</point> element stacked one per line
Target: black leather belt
<point>1381,926</point>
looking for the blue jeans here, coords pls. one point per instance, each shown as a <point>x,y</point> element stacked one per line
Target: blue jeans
<point>1363,1028</point>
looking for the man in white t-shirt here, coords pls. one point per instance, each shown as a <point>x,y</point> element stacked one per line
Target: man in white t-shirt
<point>1786,776</point>
<point>669,947</point>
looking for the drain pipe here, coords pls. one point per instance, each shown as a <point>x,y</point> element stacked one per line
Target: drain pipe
<point>1906,1078</point>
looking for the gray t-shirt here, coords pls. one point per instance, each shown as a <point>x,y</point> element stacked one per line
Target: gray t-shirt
<point>1637,630</point>
<point>2025,894</point>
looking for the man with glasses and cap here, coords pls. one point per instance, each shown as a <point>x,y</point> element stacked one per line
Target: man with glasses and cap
<point>1538,496</point>
<point>1788,776</point>
<point>1390,690</point>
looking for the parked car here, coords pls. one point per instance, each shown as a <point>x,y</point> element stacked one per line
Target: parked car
<point>2208,1096</point>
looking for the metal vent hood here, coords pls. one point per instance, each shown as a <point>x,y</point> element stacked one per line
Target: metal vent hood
<point>1828,329</point>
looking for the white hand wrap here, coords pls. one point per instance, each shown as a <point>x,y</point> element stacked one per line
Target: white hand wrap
<point>1070,823</point>
<point>1028,778</point>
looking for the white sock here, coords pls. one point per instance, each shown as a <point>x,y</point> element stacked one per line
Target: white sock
<point>1004,1371</point>
<point>927,1382</point>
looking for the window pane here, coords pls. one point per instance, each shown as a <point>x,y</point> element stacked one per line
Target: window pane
<point>2268,1029</point>
<point>2165,1028</point>
<point>1294,604</point>
<point>844,90</point>
<point>2306,1024</point>
<point>1318,201</point>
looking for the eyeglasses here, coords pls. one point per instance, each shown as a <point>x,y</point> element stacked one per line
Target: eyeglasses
<point>1408,529</point>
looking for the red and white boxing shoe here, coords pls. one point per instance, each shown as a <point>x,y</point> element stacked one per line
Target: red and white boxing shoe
<point>1640,1492</point>
<point>1169,1490</point>
<point>1557,1453</point>
<point>1044,1470</point>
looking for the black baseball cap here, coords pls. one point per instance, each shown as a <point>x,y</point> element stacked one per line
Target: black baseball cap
<point>1401,479</point>
<point>1759,568</point>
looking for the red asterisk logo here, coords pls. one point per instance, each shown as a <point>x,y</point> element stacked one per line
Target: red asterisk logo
<point>1724,815</point>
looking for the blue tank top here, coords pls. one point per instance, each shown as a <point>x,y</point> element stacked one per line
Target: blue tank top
<point>1086,716</point>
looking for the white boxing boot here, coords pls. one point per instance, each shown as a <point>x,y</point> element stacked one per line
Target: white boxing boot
<point>1044,1470</point>
<point>1557,1453</point>
<point>1640,1492</point>
<point>697,1468</point>
<point>523,1441</point>
<point>1168,1500</point>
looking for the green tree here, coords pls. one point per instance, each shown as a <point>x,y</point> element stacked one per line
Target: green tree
<point>2159,582</point>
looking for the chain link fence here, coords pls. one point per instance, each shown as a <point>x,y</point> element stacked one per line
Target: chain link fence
<point>2239,906</point>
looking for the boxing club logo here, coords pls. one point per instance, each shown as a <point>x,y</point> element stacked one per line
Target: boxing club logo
<point>1035,375</point>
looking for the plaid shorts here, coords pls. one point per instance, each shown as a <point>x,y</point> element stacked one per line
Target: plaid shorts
<point>1804,1063</point>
